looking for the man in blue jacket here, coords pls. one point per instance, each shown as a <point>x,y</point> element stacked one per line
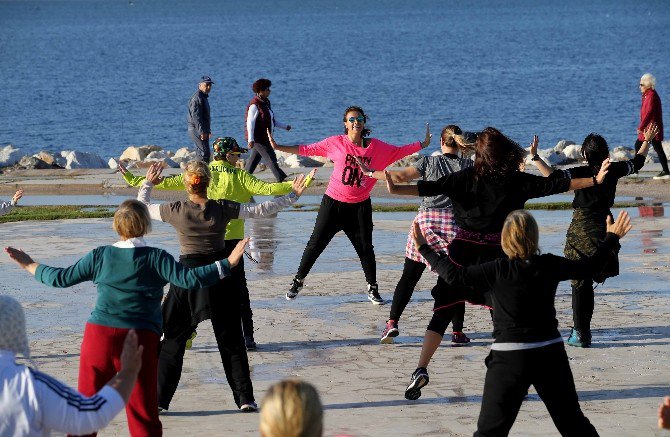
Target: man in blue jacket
<point>199,119</point>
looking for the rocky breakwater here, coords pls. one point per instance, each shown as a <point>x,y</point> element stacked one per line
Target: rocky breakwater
<point>566,152</point>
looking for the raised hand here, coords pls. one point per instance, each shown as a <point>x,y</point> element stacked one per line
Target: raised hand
<point>390,186</point>
<point>121,168</point>
<point>299,184</point>
<point>236,254</point>
<point>131,354</point>
<point>426,141</point>
<point>22,259</point>
<point>650,132</point>
<point>621,226</point>
<point>417,234</point>
<point>604,168</point>
<point>533,145</point>
<point>17,196</point>
<point>154,173</point>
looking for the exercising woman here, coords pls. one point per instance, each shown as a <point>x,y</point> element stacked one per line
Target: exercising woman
<point>528,349</point>
<point>346,204</point>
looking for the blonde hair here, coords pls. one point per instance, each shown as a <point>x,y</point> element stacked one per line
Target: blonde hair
<point>649,80</point>
<point>196,177</point>
<point>132,220</point>
<point>452,136</point>
<point>520,235</point>
<point>291,408</point>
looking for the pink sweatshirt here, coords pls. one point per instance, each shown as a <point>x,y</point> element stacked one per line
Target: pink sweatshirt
<point>348,183</point>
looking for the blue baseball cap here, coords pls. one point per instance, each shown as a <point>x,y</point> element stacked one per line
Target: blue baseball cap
<point>206,79</point>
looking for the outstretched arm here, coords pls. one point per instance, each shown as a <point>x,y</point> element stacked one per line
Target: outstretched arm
<point>538,162</point>
<point>271,207</point>
<point>175,182</point>
<point>82,270</point>
<point>144,194</point>
<point>5,207</point>
<point>287,149</point>
<point>398,176</point>
<point>403,190</point>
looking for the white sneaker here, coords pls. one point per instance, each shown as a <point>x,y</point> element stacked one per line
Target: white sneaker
<point>662,175</point>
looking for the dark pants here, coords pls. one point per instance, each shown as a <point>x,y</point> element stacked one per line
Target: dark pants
<point>355,219</point>
<point>509,375</point>
<point>411,274</point>
<point>178,325</point>
<point>245,302</point>
<point>267,153</point>
<point>201,146</point>
<point>658,147</point>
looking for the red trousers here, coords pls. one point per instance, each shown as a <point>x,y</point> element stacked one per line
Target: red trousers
<point>100,361</point>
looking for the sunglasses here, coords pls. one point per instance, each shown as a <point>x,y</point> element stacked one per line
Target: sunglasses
<point>641,84</point>
<point>359,119</point>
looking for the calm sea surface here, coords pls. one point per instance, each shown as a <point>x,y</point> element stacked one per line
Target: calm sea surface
<point>101,75</point>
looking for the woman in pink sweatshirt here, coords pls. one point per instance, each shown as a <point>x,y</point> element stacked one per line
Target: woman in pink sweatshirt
<point>346,204</point>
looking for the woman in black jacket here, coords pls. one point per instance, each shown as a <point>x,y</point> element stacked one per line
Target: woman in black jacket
<point>528,349</point>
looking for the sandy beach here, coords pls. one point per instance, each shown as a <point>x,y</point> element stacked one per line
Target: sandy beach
<point>329,336</point>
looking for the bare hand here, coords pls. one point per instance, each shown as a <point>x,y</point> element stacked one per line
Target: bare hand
<point>20,257</point>
<point>533,145</point>
<point>236,254</point>
<point>250,145</point>
<point>426,141</point>
<point>390,186</point>
<point>362,165</point>
<point>154,172</point>
<point>664,414</point>
<point>17,196</point>
<point>121,168</point>
<point>299,184</point>
<point>650,132</point>
<point>417,234</point>
<point>273,143</point>
<point>621,226</point>
<point>131,354</point>
<point>604,168</point>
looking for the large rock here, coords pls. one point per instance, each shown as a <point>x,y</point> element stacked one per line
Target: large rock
<point>31,163</point>
<point>161,156</point>
<point>407,160</point>
<point>182,156</point>
<point>135,153</point>
<point>295,161</point>
<point>551,157</point>
<point>622,153</point>
<point>561,145</point>
<point>9,155</point>
<point>77,159</point>
<point>48,158</point>
<point>113,163</point>
<point>573,152</point>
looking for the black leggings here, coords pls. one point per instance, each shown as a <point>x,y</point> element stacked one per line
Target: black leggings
<point>658,147</point>
<point>411,274</point>
<point>245,303</point>
<point>267,153</point>
<point>509,374</point>
<point>355,219</point>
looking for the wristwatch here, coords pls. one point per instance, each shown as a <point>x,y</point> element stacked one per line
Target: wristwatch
<point>535,157</point>
<point>370,173</point>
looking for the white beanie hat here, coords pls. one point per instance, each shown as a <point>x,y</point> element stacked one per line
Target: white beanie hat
<point>13,336</point>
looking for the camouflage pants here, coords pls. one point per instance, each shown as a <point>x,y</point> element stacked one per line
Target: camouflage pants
<point>586,229</point>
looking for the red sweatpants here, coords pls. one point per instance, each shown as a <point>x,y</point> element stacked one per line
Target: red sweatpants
<point>100,361</point>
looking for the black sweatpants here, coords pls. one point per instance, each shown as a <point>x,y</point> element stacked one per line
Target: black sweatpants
<point>355,219</point>
<point>267,153</point>
<point>411,274</point>
<point>658,147</point>
<point>245,302</point>
<point>509,375</point>
<point>223,307</point>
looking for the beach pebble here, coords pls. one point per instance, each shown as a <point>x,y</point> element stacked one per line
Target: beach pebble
<point>135,153</point>
<point>77,159</point>
<point>9,155</point>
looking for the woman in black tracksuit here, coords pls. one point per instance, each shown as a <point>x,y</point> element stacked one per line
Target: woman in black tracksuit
<point>528,349</point>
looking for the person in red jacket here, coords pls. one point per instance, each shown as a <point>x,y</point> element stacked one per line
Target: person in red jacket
<point>652,112</point>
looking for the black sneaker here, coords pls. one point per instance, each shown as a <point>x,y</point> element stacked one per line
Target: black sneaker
<point>419,380</point>
<point>373,294</point>
<point>296,286</point>
<point>249,343</point>
<point>662,175</point>
<point>390,331</point>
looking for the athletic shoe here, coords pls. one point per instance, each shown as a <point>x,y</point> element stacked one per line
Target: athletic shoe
<point>390,331</point>
<point>251,407</point>
<point>373,294</point>
<point>296,286</point>
<point>579,339</point>
<point>662,175</point>
<point>459,339</point>
<point>162,410</point>
<point>189,342</point>
<point>249,343</point>
<point>419,380</point>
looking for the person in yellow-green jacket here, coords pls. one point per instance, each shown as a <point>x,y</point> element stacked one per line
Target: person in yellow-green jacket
<point>231,183</point>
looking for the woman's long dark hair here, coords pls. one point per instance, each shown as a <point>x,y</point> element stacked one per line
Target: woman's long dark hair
<point>358,109</point>
<point>496,156</point>
<point>595,150</point>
